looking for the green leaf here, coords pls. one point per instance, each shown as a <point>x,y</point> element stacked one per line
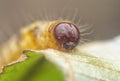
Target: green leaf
<point>34,68</point>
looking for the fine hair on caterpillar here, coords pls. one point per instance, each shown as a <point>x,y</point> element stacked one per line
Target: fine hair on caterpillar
<point>37,37</point>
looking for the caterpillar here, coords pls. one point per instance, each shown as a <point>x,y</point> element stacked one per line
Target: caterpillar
<point>60,34</point>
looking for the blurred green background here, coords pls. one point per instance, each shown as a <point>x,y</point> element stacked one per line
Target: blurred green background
<point>104,15</point>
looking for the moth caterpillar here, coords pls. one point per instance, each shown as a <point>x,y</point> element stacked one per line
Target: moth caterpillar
<point>61,35</point>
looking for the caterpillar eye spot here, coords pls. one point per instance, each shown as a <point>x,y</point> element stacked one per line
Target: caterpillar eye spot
<point>67,35</point>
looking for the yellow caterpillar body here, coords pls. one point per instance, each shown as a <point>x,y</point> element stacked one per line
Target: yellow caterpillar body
<point>36,36</point>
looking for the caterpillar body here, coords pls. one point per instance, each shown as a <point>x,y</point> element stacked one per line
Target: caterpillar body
<point>60,35</point>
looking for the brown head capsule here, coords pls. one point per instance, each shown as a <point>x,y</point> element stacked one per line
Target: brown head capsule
<point>67,35</point>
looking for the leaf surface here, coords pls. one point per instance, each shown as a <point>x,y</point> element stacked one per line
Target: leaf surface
<point>34,68</point>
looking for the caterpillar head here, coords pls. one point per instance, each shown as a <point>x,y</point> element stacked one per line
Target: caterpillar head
<point>66,34</point>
